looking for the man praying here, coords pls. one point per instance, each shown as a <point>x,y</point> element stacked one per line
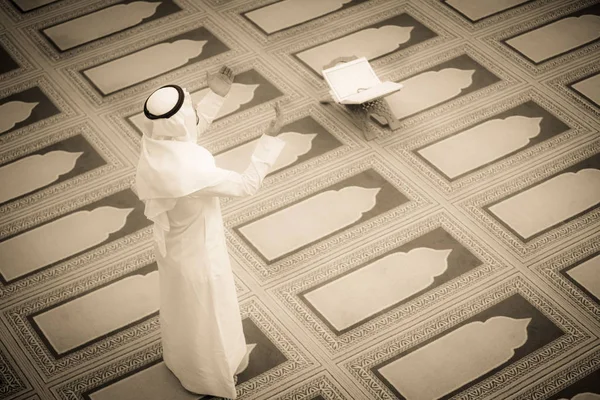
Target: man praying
<point>180,185</point>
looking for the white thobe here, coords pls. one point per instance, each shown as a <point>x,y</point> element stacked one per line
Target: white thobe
<point>202,338</point>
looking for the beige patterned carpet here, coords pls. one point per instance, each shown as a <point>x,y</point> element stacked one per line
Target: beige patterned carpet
<point>456,257</point>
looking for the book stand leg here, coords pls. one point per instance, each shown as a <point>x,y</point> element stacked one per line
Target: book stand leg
<point>326,100</point>
<point>358,113</point>
<point>361,116</point>
<point>382,108</point>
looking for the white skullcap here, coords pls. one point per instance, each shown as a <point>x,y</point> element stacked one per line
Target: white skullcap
<point>162,101</point>
<point>170,114</point>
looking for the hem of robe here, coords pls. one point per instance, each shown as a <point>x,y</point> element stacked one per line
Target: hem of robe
<point>219,395</point>
<point>190,387</point>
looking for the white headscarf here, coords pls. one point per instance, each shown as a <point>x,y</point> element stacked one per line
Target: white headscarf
<point>171,165</point>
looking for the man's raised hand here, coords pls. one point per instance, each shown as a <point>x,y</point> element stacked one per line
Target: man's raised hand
<point>220,83</point>
<point>276,124</point>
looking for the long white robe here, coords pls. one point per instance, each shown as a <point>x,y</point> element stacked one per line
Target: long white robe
<point>201,330</point>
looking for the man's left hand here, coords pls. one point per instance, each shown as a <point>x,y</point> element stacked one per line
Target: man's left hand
<point>220,83</point>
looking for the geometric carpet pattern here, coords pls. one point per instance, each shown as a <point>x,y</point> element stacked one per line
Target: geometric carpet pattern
<point>455,257</point>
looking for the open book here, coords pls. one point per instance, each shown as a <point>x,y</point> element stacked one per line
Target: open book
<point>355,82</point>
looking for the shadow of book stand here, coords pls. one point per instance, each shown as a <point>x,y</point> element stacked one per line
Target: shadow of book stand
<point>362,113</point>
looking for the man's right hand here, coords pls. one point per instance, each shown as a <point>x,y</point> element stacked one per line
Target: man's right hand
<point>276,124</point>
<point>220,83</point>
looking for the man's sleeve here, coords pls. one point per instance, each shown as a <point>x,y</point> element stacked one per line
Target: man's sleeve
<point>234,184</point>
<point>207,109</point>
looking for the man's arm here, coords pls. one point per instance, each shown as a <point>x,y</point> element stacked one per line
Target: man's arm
<point>207,109</point>
<point>234,184</point>
<point>219,85</point>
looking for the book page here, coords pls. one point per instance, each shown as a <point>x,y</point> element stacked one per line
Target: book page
<point>346,79</point>
<point>380,90</point>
